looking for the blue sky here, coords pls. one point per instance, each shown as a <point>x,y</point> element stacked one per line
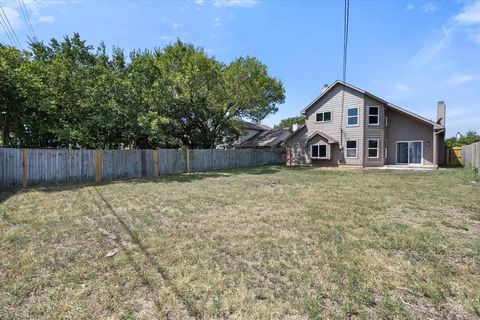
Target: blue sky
<point>411,53</point>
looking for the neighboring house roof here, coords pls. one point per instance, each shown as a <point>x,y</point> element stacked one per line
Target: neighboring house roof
<point>329,139</point>
<point>388,104</point>
<point>269,138</point>
<point>255,126</point>
<point>296,131</point>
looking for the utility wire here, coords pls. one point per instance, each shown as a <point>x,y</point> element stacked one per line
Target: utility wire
<point>4,27</point>
<point>27,18</point>
<point>5,18</point>
<point>346,15</point>
<point>345,38</point>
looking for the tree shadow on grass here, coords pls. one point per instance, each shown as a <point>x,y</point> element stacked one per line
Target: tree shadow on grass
<point>167,178</point>
<point>189,305</point>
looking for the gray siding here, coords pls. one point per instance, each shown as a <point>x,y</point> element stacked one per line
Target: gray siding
<point>404,128</point>
<point>374,132</point>
<point>332,101</point>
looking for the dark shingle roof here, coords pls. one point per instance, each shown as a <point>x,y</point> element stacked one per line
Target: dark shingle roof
<point>270,138</point>
<point>255,126</point>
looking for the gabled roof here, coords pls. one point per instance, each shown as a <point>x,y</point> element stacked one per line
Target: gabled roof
<point>329,139</point>
<point>269,138</point>
<point>388,104</point>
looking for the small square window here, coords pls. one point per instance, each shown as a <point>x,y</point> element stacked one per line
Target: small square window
<point>327,116</point>
<point>319,117</point>
<point>314,151</point>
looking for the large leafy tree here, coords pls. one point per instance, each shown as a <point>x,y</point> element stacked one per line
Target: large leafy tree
<point>66,94</point>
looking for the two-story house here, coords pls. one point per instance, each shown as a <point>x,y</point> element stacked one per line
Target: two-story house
<point>346,125</point>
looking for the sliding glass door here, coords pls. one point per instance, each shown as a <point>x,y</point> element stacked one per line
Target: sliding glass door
<point>409,152</point>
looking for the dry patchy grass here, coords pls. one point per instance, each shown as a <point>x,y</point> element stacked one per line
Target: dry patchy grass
<point>270,242</point>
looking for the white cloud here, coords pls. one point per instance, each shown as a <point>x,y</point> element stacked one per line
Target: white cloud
<point>235,3</point>
<point>165,37</point>
<point>458,79</point>
<point>13,17</point>
<point>402,87</point>
<point>410,7</point>
<point>46,19</point>
<point>470,15</point>
<point>217,22</point>
<point>200,2</point>
<point>440,40</point>
<point>176,25</point>
<point>428,7</point>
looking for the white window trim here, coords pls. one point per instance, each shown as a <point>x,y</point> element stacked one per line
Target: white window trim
<point>377,115</point>
<point>326,149</point>
<point>409,164</point>
<point>356,149</point>
<point>357,116</point>
<point>377,148</point>
<point>331,116</point>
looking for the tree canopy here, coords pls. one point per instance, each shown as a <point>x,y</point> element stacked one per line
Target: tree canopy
<point>466,139</point>
<point>68,94</point>
<point>288,122</point>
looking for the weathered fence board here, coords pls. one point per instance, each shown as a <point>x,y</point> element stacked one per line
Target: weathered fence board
<point>10,167</point>
<point>471,155</point>
<point>30,167</point>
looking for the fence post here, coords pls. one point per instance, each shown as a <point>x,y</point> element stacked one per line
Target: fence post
<point>24,167</point>
<point>187,160</point>
<point>98,165</point>
<point>155,162</point>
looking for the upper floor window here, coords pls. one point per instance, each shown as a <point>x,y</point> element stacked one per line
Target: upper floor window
<point>352,116</point>
<point>373,115</point>
<point>323,116</point>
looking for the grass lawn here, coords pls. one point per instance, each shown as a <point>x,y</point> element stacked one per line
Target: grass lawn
<point>258,243</point>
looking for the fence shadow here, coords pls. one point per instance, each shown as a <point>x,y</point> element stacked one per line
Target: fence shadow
<point>5,194</point>
<point>188,305</point>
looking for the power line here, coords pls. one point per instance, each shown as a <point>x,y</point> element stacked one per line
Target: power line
<point>5,18</point>
<point>4,27</point>
<point>345,38</point>
<point>27,18</point>
<point>346,15</point>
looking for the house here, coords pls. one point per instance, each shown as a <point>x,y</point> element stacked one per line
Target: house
<point>266,139</point>
<point>346,125</point>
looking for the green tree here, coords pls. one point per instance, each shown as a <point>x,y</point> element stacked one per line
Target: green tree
<point>288,122</point>
<point>466,139</point>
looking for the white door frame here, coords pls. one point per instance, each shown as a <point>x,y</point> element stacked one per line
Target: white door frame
<point>408,163</point>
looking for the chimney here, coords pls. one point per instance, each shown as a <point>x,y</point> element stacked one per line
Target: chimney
<point>441,113</point>
<point>294,127</point>
<point>324,88</point>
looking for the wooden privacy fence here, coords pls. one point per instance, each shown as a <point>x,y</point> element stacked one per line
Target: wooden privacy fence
<point>454,156</point>
<point>28,167</point>
<point>471,155</point>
